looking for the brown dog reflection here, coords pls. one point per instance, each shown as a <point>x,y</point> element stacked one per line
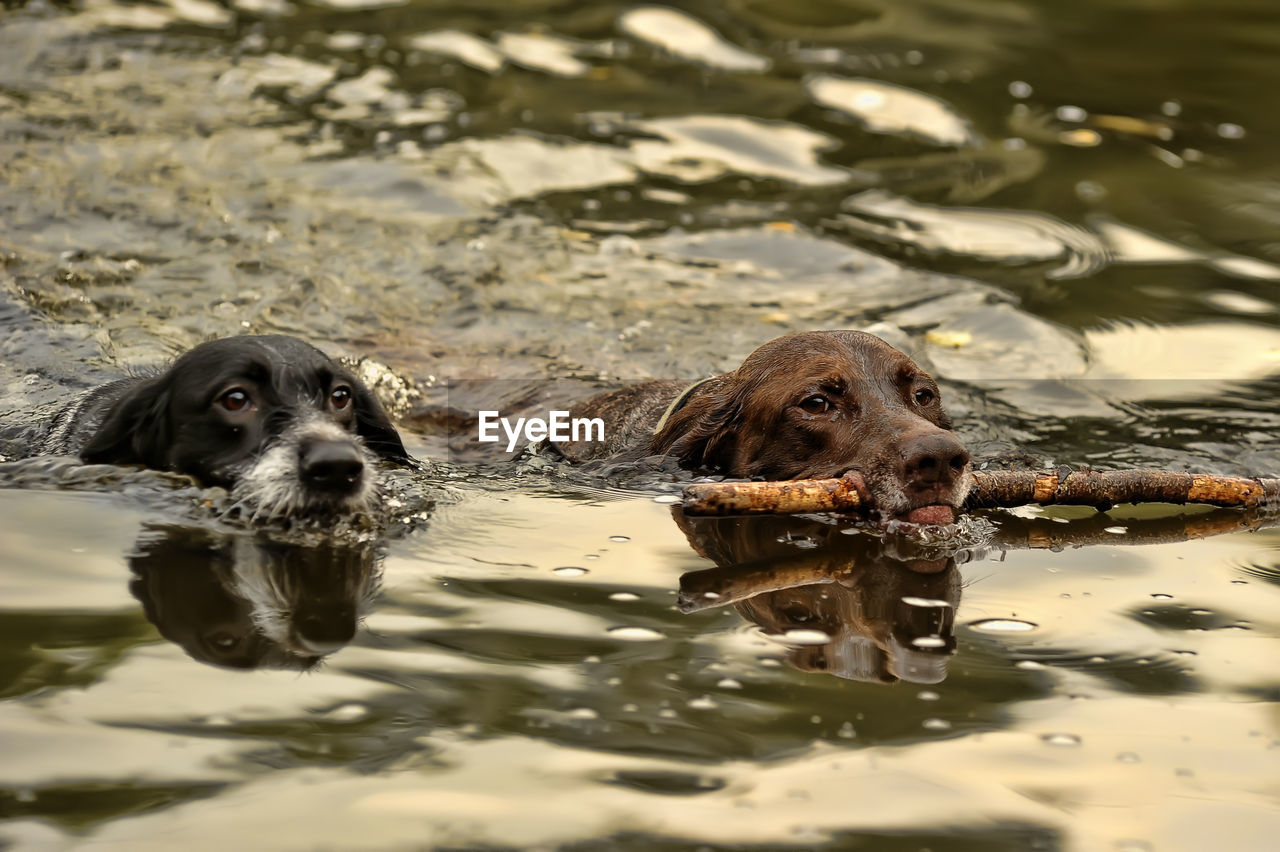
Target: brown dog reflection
<point>815,404</point>
<point>247,602</point>
<point>888,614</point>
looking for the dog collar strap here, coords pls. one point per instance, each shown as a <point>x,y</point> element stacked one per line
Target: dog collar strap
<point>678,403</point>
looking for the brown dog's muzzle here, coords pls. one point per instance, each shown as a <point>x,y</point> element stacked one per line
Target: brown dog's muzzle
<point>935,460</point>
<point>933,468</point>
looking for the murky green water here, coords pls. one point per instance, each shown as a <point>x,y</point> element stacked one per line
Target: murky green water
<point>1067,211</point>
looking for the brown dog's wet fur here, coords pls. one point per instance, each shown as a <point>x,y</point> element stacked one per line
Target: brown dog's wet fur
<point>808,405</point>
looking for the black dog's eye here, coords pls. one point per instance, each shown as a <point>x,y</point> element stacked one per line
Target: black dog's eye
<point>236,399</point>
<point>924,396</point>
<point>816,404</point>
<point>340,398</point>
<point>223,640</point>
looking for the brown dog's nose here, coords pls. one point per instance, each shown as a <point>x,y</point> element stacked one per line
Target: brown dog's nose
<point>331,466</point>
<point>936,458</point>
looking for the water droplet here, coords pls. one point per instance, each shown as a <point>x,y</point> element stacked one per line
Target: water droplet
<point>630,708</point>
<point>1116,530</point>
<point>1161,596</point>
<point>769,663</point>
<point>1020,89</point>
<point>1128,757</point>
<point>846,731</point>
<point>729,683</point>
<point>704,702</point>
<point>1227,130</point>
<point>929,642</point>
<point>1060,740</point>
<point>1002,625</point>
<point>582,713</point>
<point>569,571</point>
<point>619,538</point>
<point>1071,113</point>
<point>667,713</point>
<point>928,695</point>
<point>635,634</point>
<point>802,637</point>
<point>911,600</point>
<point>1028,665</point>
<point>624,596</point>
<point>815,719</point>
<point>711,596</point>
<point>347,712</point>
<point>1202,612</point>
<point>936,724</point>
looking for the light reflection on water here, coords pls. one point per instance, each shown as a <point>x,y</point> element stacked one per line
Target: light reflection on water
<point>491,199</point>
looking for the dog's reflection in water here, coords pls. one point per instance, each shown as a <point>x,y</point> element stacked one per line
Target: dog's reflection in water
<point>886,615</point>
<point>247,602</point>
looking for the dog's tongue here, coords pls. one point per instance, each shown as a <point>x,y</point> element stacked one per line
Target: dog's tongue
<point>938,514</point>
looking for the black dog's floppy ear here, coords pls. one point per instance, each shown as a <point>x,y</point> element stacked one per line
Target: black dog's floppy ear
<point>699,429</point>
<point>135,429</point>
<point>374,426</point>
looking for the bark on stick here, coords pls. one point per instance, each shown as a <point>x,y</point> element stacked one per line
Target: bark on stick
<point>794,497</point>
<point>1101,489</point>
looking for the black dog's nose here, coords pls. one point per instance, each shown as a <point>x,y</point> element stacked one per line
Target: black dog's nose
<point>937,458</point>
<point>331,466</point>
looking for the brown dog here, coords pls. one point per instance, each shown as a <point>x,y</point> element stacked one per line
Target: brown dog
<point>815,404</point>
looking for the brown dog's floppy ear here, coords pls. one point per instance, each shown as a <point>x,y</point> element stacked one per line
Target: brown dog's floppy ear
<point>700,428</point>
<point>135,430</point>
<point>374,426</point>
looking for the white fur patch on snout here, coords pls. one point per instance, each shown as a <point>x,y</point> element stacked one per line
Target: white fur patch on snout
<point>276,594</point>
<point>272,484</point>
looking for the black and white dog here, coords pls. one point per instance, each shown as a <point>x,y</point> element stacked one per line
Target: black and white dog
<point>274,420</point>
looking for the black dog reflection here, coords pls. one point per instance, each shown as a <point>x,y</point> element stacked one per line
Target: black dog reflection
<point>888,614</point>
<point>250,602</point>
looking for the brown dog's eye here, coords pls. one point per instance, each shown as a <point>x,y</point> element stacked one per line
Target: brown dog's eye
<point>340,398</point>
<point>236,399</point>
<point>816,404</point>
<point>924,396</point>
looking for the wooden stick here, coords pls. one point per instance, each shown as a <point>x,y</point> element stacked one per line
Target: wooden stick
<point>1101,489</point>
<point>774,498</point>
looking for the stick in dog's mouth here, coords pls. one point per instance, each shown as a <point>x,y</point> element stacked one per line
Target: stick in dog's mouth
<point>990,489</point>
